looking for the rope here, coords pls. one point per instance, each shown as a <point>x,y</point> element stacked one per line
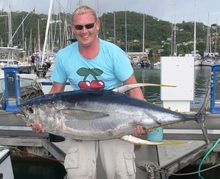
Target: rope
<point>210,150</point>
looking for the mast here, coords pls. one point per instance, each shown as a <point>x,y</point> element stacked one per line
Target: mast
<point>171,46</point>
<point>114,30</point>
<point>143,33</point>
<point>10,43</point>
<point>194,43</point>
<point>23,41</point>
<point>60,29</point>
<point>30,44</point>
<point>208,37</point>
<point>216,37</point>
<point>174,40</point>
<point>38,36</point>
<point>46,33</point>
<point>126,42</point>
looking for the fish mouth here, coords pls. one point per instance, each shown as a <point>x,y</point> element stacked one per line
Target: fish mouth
<point>23,114</point>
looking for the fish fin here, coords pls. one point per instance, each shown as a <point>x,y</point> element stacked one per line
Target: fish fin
<point>124,88</point>
<point>138,141</point>
<point>81,114</point>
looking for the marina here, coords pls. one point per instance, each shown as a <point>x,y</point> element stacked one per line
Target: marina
<point>43,156</point>
<point>169,159</point>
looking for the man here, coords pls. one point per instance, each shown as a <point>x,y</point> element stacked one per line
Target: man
<point>32,59</point>
<point>91,63</point>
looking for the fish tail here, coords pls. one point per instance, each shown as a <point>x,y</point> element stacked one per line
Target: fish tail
<point>201,116</point>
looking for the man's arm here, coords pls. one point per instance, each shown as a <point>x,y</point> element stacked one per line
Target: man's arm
<point>135,92</point>
<point>57,87</point>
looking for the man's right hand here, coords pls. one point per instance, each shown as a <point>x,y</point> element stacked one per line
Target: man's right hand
<point>36,126</point>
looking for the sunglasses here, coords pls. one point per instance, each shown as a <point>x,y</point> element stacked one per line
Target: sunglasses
<point>87,26</point>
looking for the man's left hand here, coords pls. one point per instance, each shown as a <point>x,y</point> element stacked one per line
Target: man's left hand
<point>138,131</point>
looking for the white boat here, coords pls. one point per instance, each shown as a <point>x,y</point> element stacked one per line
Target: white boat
<point>26,79</point>
<point>157,64</point>
<point>45,84</point>
<point>197,58</point>
<point>6,171</point>
<point>207,62</point>
<point>197,62</point>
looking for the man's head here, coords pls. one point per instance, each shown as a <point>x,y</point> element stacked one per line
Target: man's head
<point>83,10</point>
<point>85,25</point>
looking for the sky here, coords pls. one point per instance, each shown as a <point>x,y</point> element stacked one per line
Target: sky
<point>174,11</point>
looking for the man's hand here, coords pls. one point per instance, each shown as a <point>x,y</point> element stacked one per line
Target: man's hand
<point>138,131</point>
<point>36,126</point>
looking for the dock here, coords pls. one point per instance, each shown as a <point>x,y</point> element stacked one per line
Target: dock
<point>156,162</point>
<point>163,160</point>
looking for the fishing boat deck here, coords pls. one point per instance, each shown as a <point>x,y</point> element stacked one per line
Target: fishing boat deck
<point>170,158</point>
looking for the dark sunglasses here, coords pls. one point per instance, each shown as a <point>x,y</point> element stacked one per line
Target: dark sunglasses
<point>87,26</point>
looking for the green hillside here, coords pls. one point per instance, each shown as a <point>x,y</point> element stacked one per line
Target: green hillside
<point>158,33</point>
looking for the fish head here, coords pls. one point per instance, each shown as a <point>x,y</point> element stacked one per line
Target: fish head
<point>38,108</point>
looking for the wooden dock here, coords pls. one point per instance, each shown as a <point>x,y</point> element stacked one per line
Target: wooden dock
<point>166,158</point>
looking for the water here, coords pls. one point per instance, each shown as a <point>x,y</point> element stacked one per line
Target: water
<point>152,94</point>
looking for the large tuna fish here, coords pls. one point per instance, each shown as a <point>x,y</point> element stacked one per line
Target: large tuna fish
<point>99,115</point>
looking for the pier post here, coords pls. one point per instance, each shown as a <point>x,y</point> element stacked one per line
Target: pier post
<point>12,89</point>
<point>179,72</point>
<point>215,90</point>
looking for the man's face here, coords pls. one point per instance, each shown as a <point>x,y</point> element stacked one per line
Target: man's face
<point>85,28</point>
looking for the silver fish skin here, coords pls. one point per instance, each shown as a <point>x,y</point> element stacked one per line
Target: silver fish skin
<point>98,115</point>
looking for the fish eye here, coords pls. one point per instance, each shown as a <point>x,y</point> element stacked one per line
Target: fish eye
<point>29,108</point>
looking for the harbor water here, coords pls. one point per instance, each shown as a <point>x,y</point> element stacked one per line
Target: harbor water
<point>152,93</point>
<point>54,170</point>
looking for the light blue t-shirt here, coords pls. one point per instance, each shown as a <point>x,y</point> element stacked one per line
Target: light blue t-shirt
<point>106,71</point>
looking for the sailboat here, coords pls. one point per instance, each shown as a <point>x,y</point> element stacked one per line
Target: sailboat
<point>44,82</point>
<point>207,60</point>
<point>194,53</point>
<point>145,62</point>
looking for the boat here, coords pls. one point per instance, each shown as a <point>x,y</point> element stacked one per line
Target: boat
<point>45,84</point>
<point>197,58</point>
<point>194,53</point>
<point>207,61</point>
<point>157,64</point>
<point>145,63</point>
<point>26,79</point>
<point>6,170</point>
<point>43,81</point>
